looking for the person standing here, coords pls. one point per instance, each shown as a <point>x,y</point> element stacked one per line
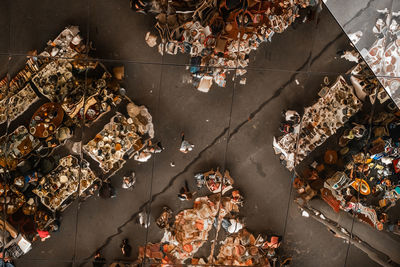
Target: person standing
<point>107,190</point>
<point>128,182</point>
<point>185,194</point>
<point>185,145</point>
<point>98,260</point>
<point>126,248</point>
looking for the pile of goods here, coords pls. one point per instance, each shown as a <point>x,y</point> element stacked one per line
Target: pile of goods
<point>218,35</point>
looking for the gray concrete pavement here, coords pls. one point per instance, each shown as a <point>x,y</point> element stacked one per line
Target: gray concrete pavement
<point>231,127</point>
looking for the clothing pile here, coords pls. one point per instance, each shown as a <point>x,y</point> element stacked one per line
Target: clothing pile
<point>190,230</point>
<point>218,34</point>
<point>243,249</point>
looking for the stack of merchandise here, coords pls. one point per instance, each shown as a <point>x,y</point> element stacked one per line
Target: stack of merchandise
<point>190,231</point>
<point>218,35</point>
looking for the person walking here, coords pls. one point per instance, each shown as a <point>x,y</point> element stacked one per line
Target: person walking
<point>128,182</point>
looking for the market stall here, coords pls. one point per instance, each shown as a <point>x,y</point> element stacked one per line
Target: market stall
<point>46,120</point>
<point>219,36</point>
<point>333,109</point>
<point>42,178</point>
<point>15,147</point>
<point>122,138</point>
<point>189,231</point>
<point>17,104</point>
<point>63,182</point>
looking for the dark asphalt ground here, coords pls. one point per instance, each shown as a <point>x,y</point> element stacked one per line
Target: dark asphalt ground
<point>231,127</point>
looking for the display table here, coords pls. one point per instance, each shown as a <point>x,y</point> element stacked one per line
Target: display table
<point>16,146</point>
<point>17,104</point>
<point>63,182</point>
<point>110,144</point>
<point>46,120</point>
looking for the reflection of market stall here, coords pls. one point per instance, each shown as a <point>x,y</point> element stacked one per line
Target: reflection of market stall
<point>336,105</point>
<point>367,183</point>
<point>18,103</point>
<point>191,228</point>
<point>357,172</point>
<point>39,176</point>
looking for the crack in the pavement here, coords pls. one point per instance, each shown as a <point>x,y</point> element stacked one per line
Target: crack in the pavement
<point>266,102</point>
<point>235,131</point>
<point>172,180</point>
<point>279,91</point>
<point>357,14</point>
<point>326,46</point>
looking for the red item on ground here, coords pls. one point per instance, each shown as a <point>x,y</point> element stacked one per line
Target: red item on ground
<point>43,234</point>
